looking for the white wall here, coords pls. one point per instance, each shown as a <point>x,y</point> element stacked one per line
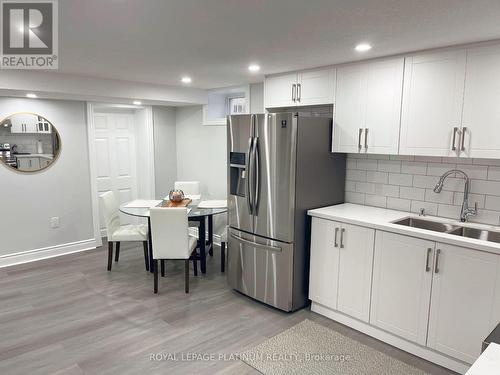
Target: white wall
<point>201,152</point>
<point>165,150</point>
<point>28,201</point>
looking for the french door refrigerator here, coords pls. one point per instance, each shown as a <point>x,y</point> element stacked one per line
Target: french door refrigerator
<point>279,166</point>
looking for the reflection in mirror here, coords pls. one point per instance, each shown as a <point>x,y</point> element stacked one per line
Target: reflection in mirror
<point>28,142</point>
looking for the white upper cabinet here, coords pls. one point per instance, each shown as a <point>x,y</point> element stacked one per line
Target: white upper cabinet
<point>402,279</point>
<point>432,103</point>
<point>368,107</point>
<point>280,90</point>
<point>481,114</point>
<point>315,87</point>
<point>311,87</point>
<point>465,304</point>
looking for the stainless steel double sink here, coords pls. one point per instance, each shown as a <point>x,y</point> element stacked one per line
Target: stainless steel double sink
<point>454,229</point>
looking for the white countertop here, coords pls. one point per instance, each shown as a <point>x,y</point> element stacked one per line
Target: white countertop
<point>488,363</point>
<point>43,156</point>
<point>381,218</point>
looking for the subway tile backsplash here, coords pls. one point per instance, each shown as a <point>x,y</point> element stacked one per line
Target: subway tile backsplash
<point>406,183</point>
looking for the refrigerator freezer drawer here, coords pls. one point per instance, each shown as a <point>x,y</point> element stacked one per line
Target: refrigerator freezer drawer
<point>261,268</point>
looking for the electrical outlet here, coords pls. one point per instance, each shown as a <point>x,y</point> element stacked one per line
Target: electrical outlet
<point>54,222</point>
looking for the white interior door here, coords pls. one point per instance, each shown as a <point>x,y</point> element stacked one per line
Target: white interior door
<point>465,304</point>
<point>432,103</point>
<point>116,156</point>
<point>401,289</point>
<point>481,116</point>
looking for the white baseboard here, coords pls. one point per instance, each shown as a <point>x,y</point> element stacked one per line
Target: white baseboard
<point>194,232</point>
<point>415,349</point>
<point>46,252</point>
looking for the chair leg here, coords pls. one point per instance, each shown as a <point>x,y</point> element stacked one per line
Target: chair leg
<point>222,256</point>
<point>195,266</point>
<point>155,267</point>
<point>117,255</point>
<point>162,268</point>
<point>186,276</point>
<point>146,257</point>
<point>110,254</point>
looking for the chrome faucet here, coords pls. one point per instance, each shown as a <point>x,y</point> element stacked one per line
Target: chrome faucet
<point>466,210</point>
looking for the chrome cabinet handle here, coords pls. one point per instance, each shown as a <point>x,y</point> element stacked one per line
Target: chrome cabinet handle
<point>335,244</point>
<point>359,138</point>
<point>427,267</point>
<point>462,136</point>
<point>299,91</point>
<point>342,238</point>
<point>366,138</point>
<point>294,92</point>
<point>453,147</point>
<point>436,268</point>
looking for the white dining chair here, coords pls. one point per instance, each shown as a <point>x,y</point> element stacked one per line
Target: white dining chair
<point>118,233</point>
<point>191,189</point>
<point>171,239</point>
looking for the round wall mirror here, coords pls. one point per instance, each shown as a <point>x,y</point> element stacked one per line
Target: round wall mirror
<point>28,142</point>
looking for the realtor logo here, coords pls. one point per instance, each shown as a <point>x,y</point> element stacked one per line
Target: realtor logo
<point>29,37</point>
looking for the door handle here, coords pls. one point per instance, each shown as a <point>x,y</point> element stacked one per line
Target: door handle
<point>359,138</point>
<point>256,179</point>
<point>453,146</point>
<point>366,138</point>
<point>294,92</point>
<point>299,91</point>
<point>342,238</point>
<point>436,268</point>
<point>335,244</point>
<point>462,136</point>
<point>427,267</point>
<point>249,176</point>
<point>255,244</point>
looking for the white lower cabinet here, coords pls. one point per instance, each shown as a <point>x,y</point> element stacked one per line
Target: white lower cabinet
<point>402,279</point>
<point>323,284</point>
<point>341,267</point>
<point>28,164</point>
<point>437,296</point>
<point>465,304</point>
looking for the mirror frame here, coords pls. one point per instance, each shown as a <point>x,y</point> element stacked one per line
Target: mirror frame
<point>54,129</point>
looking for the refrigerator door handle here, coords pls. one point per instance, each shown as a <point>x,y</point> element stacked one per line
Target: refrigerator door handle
<point>249,175</point>
<point>255,244</point>
<point>256,180</point>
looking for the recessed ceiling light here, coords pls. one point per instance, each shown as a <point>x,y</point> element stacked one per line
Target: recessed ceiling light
<point>186,79</point>
<point>363,47</point>
<point>137,102</point>
<point>31,95</point>
<point>254,68</point>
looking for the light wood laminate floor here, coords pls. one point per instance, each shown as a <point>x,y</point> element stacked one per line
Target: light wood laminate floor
<point>68,315</point>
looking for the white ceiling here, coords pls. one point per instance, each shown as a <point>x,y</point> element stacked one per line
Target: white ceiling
<point>213,41</point>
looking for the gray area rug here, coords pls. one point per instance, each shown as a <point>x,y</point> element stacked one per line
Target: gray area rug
<point>310,348</point>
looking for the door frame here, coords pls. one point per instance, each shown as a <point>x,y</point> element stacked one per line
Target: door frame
<point>148,179</point>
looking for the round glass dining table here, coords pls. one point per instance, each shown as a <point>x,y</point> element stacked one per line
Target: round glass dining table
<point>195,214</point>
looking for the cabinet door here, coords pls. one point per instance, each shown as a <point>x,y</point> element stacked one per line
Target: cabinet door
<point>278,90</point>
<point>481,110</point>
<point>402,277</point>
<point>355,271</point>
<point>28,164</point>
<point>316,87</point>
<point>432,103</point>
<point>383,106</point>
<point>350,108</point>
<point>465,304</point>
<point>323,274</point>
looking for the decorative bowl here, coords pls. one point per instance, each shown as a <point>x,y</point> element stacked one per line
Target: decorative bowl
<point>176,195</point>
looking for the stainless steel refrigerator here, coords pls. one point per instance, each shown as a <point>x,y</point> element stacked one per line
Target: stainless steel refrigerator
<point>279,166</point>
